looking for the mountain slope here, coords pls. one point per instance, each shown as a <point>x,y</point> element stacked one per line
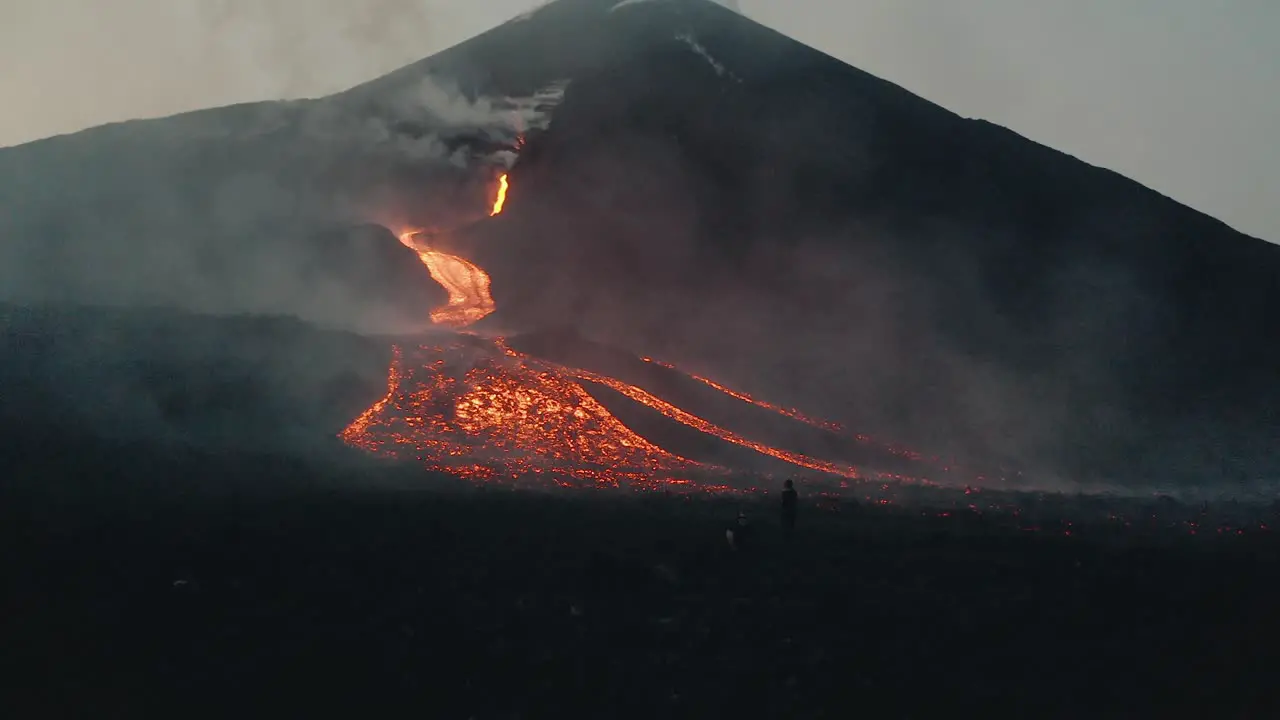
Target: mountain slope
<point>265,384</point>
<point>713,193</point>
<point>816,235</point>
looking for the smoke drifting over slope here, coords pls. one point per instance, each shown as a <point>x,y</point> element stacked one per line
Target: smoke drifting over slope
<point>219,210</point>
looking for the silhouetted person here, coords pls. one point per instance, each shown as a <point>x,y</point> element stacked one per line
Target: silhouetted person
<point>739,533</point>
<point>789,501</point>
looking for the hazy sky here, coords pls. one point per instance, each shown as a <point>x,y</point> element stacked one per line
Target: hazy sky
<point>1178,94</point>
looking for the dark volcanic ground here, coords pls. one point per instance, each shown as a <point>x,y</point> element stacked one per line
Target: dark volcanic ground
<point>148,578</point>
<point>218,382</point>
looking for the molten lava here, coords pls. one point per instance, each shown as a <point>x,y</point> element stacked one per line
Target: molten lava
<point>697,423</point>
<point>792,413</point>
<point>501,199</point>
<point>467,285</point>
<point>789,412</point>
<point>478,409</point>
<point>464,281</point>
<point>472,409</point>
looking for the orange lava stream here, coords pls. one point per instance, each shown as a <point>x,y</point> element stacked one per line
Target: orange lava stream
<point>357,433</point>
<point>799,416</point>
<point>467,285</point>
<point>480,410</point>
<point>788,412</point>
<point>464,281</point>
<point>697,423</point>
<point>501,199</point>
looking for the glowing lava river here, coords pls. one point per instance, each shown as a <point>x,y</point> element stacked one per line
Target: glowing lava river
<point>474,407</point>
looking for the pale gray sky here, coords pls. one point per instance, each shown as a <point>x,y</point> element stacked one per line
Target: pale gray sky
<point>1178,94</point>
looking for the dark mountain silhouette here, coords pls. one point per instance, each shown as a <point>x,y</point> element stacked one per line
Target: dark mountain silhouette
<point>714,194</point>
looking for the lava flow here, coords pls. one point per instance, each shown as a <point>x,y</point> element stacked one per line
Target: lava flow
<point>467,285</point>
<point>686,418</point>
<point>468,408</point>
<point>476,408</point>
<point>501,199</point>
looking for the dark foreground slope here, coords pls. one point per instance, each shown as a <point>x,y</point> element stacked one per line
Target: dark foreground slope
<point>155,585</point>
<point>714,194</point>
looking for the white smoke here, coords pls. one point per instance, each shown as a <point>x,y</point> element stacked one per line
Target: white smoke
<point>435,110</point>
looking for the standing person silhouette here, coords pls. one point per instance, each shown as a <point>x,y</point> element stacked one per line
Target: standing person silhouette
<point>789,502</point>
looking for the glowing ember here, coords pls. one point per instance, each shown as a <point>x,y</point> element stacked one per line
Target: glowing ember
<point>501,199</point>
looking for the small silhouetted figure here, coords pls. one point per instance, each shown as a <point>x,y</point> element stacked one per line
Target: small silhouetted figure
<point>739,533</point>
<point>789,501</point>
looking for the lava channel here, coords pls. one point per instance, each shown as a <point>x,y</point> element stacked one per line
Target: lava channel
<point>470,409</point>
<point>478,409</point>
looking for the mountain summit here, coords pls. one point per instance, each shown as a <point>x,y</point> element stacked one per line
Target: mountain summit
<point>689,184</point>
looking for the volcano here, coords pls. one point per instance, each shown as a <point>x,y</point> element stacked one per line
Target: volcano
<point>669,179</point>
